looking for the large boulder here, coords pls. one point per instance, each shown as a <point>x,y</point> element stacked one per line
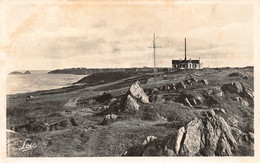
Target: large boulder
<point>237,87</point>
<point>234,87</point>
<point>131,104</point>
<point>138,93</point>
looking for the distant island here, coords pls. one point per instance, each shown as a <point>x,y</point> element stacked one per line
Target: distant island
<point>87,71</point>
<point>17,72</point>
<point>27,72</point>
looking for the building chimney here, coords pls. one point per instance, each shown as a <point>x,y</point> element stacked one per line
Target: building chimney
<point>185,49</point>
<point>199,62</point>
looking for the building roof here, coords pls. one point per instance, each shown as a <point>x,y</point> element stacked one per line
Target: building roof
<point>185,61</point>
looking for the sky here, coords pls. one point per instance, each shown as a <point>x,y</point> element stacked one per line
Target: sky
<point>55,34</point>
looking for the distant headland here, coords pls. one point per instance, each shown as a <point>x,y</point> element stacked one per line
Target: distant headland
<point>18,72</point>
<point>87,71</point>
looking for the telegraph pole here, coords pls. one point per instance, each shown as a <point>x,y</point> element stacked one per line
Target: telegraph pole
<point>154,57</point>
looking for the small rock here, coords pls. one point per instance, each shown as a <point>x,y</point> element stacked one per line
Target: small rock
<point>219,94</point>
<point>169,152</point>
<point>194,102</point>
<point>181,85</point>
<point>112,100</point>
<point>149,139</point>
<point>245,103</point>
<point>92,101</point>
<point>125,153</point>
<point>199,101</point>
<point>109,118</point>
<point>237,86</point>
<point>188,82</point>
<point>233,120</point>
<point>204,81</point>
<point>209,92</point>
<point>29,97</point>
<point>249,93</point>
<point>172,86</point>
<point>105,106</point>
<point>223,111</point>
<point>251,136</point>
<point>212,113</point>
<point>193,80</point>
<point>187,102</point>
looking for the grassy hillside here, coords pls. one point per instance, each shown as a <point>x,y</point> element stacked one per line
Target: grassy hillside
<point>104,77</point>
<point>69,122</point>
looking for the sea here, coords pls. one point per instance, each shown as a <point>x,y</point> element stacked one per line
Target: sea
<point>38,80</point>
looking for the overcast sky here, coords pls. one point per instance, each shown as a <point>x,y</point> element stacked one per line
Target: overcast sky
<point>68,34</point>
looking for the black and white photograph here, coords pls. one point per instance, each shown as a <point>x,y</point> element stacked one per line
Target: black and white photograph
<point>129,78</point>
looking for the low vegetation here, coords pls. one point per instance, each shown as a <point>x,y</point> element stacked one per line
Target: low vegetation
<point>127,114</point>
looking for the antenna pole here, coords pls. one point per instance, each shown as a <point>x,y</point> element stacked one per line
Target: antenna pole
<point>154,68</point>
<point>185,49</point>
<point>154,56</point>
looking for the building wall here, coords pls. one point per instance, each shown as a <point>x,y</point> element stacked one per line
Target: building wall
<point>186,66</point>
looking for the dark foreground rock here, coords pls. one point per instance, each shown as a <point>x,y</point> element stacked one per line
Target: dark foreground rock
<point>209,135</point>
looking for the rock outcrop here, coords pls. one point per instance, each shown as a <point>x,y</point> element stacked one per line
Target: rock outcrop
<point>209,135</point>
<point>138,93</point>
<point>128,102</point>
<point>239,88</point>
